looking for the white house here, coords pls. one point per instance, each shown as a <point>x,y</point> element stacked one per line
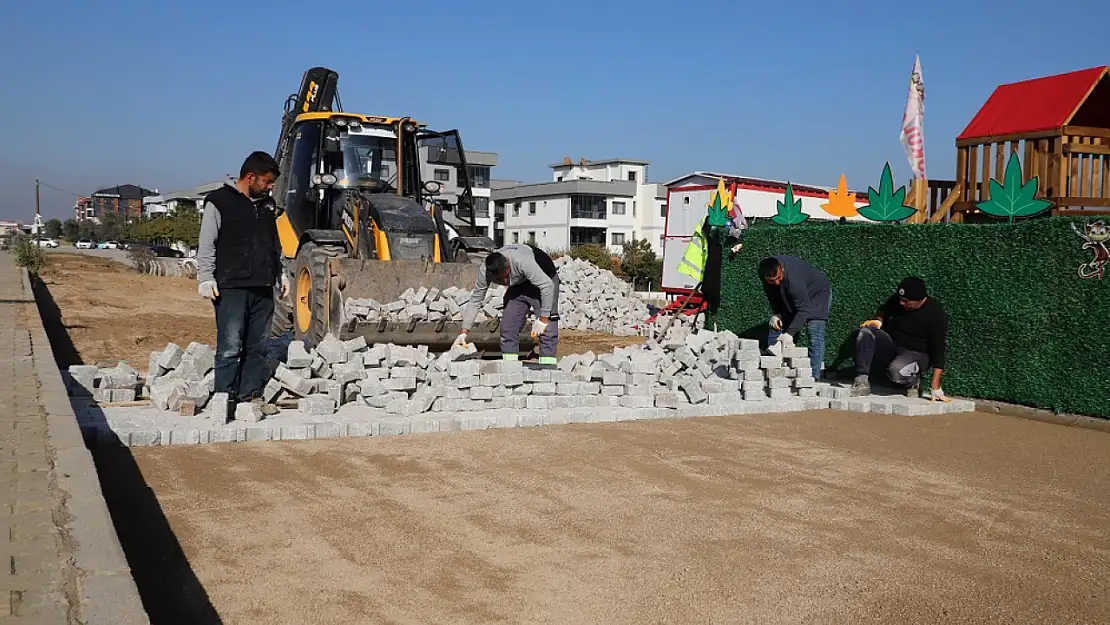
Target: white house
<point>757,198</point>
<point>605,202</point>
<point>167,203</point>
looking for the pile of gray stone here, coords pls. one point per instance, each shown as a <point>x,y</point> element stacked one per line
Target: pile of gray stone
<point>181,380</point>
<point>687,368</point>
<point>590,298</point>
<point>118,384</point>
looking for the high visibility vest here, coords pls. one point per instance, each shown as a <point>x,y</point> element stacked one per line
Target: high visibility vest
<point>693,259</point>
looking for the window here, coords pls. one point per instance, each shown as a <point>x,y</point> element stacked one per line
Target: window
<point>516,211</point>
<point>663,209</point>
<point>481,206</point>
<point>479,176</point>
<point>587,207</point>
<point>661,240</point>
<point>618,238</point>
<point>559,179</point>
<point>443,175</point>
<point>499,210</point>
<point>586,236</point>
<point>632,176</point>
<point>532,237</point>
<point>633,208</point>
<point>618,208</point>
<point>531,208</point>
<point>516,237</point>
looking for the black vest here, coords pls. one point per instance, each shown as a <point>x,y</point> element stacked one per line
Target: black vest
<point>247,243</point>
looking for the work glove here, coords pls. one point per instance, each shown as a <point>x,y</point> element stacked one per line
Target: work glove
<point>208,290</point>
<point>937,394</point>
<point>538,328</point>
<point>284,285</point>
<point>872,323</point>
<point>776,322</point>
<point>460,340</point>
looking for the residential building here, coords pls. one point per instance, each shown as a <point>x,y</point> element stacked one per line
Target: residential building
<point>686,205</point>
<point>9,227</point>
<point>167,203</point>
<point>442,167</point>
<point>607,202</point>
<point>124,201</point>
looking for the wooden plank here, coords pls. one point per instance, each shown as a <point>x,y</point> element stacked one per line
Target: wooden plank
<point>961,168</point>
<point>1000,156</point>
<point>1073,167</point>
<point>1029,169</point>
<point>1060,184</point>
<point>1042,166</point>
<point>1082,148</point>
<point>946,207</point>
<point>1065,202</point>
<point>1106,176</point>
<point>1078,212</point>
<point>1084,169</point>
<point>971,191</point>
<point>1087,131</point>
<point>985,185</point>
<point>1011,137</point>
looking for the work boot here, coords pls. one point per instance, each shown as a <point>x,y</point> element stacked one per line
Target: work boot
<point>861,386</point>
<point>267,409</point>
<point>913,390</point>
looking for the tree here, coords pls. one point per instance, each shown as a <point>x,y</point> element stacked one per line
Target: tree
<point>638,261</point>
<point>71,229</point>
<point>53,228</point>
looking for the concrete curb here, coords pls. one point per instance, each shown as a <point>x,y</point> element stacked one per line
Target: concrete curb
<point>106,589</point>
<point>1045,416</point>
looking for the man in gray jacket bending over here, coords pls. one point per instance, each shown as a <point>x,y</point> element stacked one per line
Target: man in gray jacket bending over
<point>533,285</point>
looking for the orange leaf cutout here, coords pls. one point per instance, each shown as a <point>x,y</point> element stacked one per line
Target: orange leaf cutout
<point>841,203</point>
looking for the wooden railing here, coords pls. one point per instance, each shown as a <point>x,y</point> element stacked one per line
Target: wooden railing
<point>1072,165</point>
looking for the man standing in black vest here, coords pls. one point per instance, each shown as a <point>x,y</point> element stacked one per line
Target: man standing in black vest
<point>238,262</point>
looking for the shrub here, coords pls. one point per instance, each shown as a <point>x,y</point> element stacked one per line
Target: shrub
<point>29,255</point>
<point>596,254</point>
<point>1024,327</point>
<point>141,257</point>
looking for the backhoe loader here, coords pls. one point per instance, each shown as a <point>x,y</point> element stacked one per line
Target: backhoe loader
<point>356,220</point>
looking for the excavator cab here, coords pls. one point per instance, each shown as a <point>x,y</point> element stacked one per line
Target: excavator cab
<point>357,220</point>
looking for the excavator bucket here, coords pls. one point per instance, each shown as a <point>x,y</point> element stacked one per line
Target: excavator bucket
<point>386,281</point>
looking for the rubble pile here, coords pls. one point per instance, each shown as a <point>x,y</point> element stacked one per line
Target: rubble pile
<point>590,298</point>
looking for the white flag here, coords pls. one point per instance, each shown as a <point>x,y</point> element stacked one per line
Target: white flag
<point>913,122</point>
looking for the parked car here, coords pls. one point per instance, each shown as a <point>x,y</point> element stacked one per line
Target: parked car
<point>48,243</point>
<point>164,251</point>
<point>84,244</point>
<point>109,245</point>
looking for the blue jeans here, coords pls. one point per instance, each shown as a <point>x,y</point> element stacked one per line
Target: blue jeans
<point>242,325</point>
<point>816,330</point>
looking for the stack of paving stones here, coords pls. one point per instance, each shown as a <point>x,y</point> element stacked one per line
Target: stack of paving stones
<point>181,380</point>
<point>590,299</point>
<point>119,384</point>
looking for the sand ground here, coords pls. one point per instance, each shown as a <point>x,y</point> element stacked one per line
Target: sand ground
<point>799,518</point>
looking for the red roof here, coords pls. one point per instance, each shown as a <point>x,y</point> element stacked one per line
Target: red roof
<point>1033,105</point>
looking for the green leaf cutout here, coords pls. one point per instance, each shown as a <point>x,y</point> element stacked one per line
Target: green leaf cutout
<point>718,214</point>
<point>789,212</point>
<point>886,204</point>
<point>1011,198</point>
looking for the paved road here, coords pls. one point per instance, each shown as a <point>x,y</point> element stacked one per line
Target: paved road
<point>38,581</point>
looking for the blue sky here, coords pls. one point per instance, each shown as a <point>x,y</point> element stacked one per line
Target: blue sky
<point>173,94</point>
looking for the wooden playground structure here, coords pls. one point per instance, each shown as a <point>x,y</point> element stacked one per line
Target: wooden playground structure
<point>1060,128</point>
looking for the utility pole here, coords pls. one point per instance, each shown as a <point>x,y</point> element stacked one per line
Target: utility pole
<point>38,218</point>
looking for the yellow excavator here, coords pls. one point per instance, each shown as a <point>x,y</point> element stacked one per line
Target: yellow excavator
<point>356,220</point>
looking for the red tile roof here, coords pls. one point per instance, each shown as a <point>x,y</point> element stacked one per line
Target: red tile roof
<point>1032,105</point>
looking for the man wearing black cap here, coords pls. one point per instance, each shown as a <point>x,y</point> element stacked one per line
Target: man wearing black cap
<point>910,334</point>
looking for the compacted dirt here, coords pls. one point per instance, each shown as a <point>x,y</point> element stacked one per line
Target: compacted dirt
<point>801,518</point>
<point>110,312</point>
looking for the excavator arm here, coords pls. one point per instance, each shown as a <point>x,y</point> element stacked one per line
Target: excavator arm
<point>319,92</point>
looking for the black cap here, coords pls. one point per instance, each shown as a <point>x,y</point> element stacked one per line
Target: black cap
<point>912,289</point>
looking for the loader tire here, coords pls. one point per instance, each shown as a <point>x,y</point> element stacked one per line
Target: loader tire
<point>316,296</point>
<point>282,321</point>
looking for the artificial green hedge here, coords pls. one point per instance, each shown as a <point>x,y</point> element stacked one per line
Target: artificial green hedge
<point>1024,327</point>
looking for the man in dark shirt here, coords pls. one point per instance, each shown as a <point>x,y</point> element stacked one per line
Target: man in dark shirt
<point>910,332</point>
<point>799,295</point>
